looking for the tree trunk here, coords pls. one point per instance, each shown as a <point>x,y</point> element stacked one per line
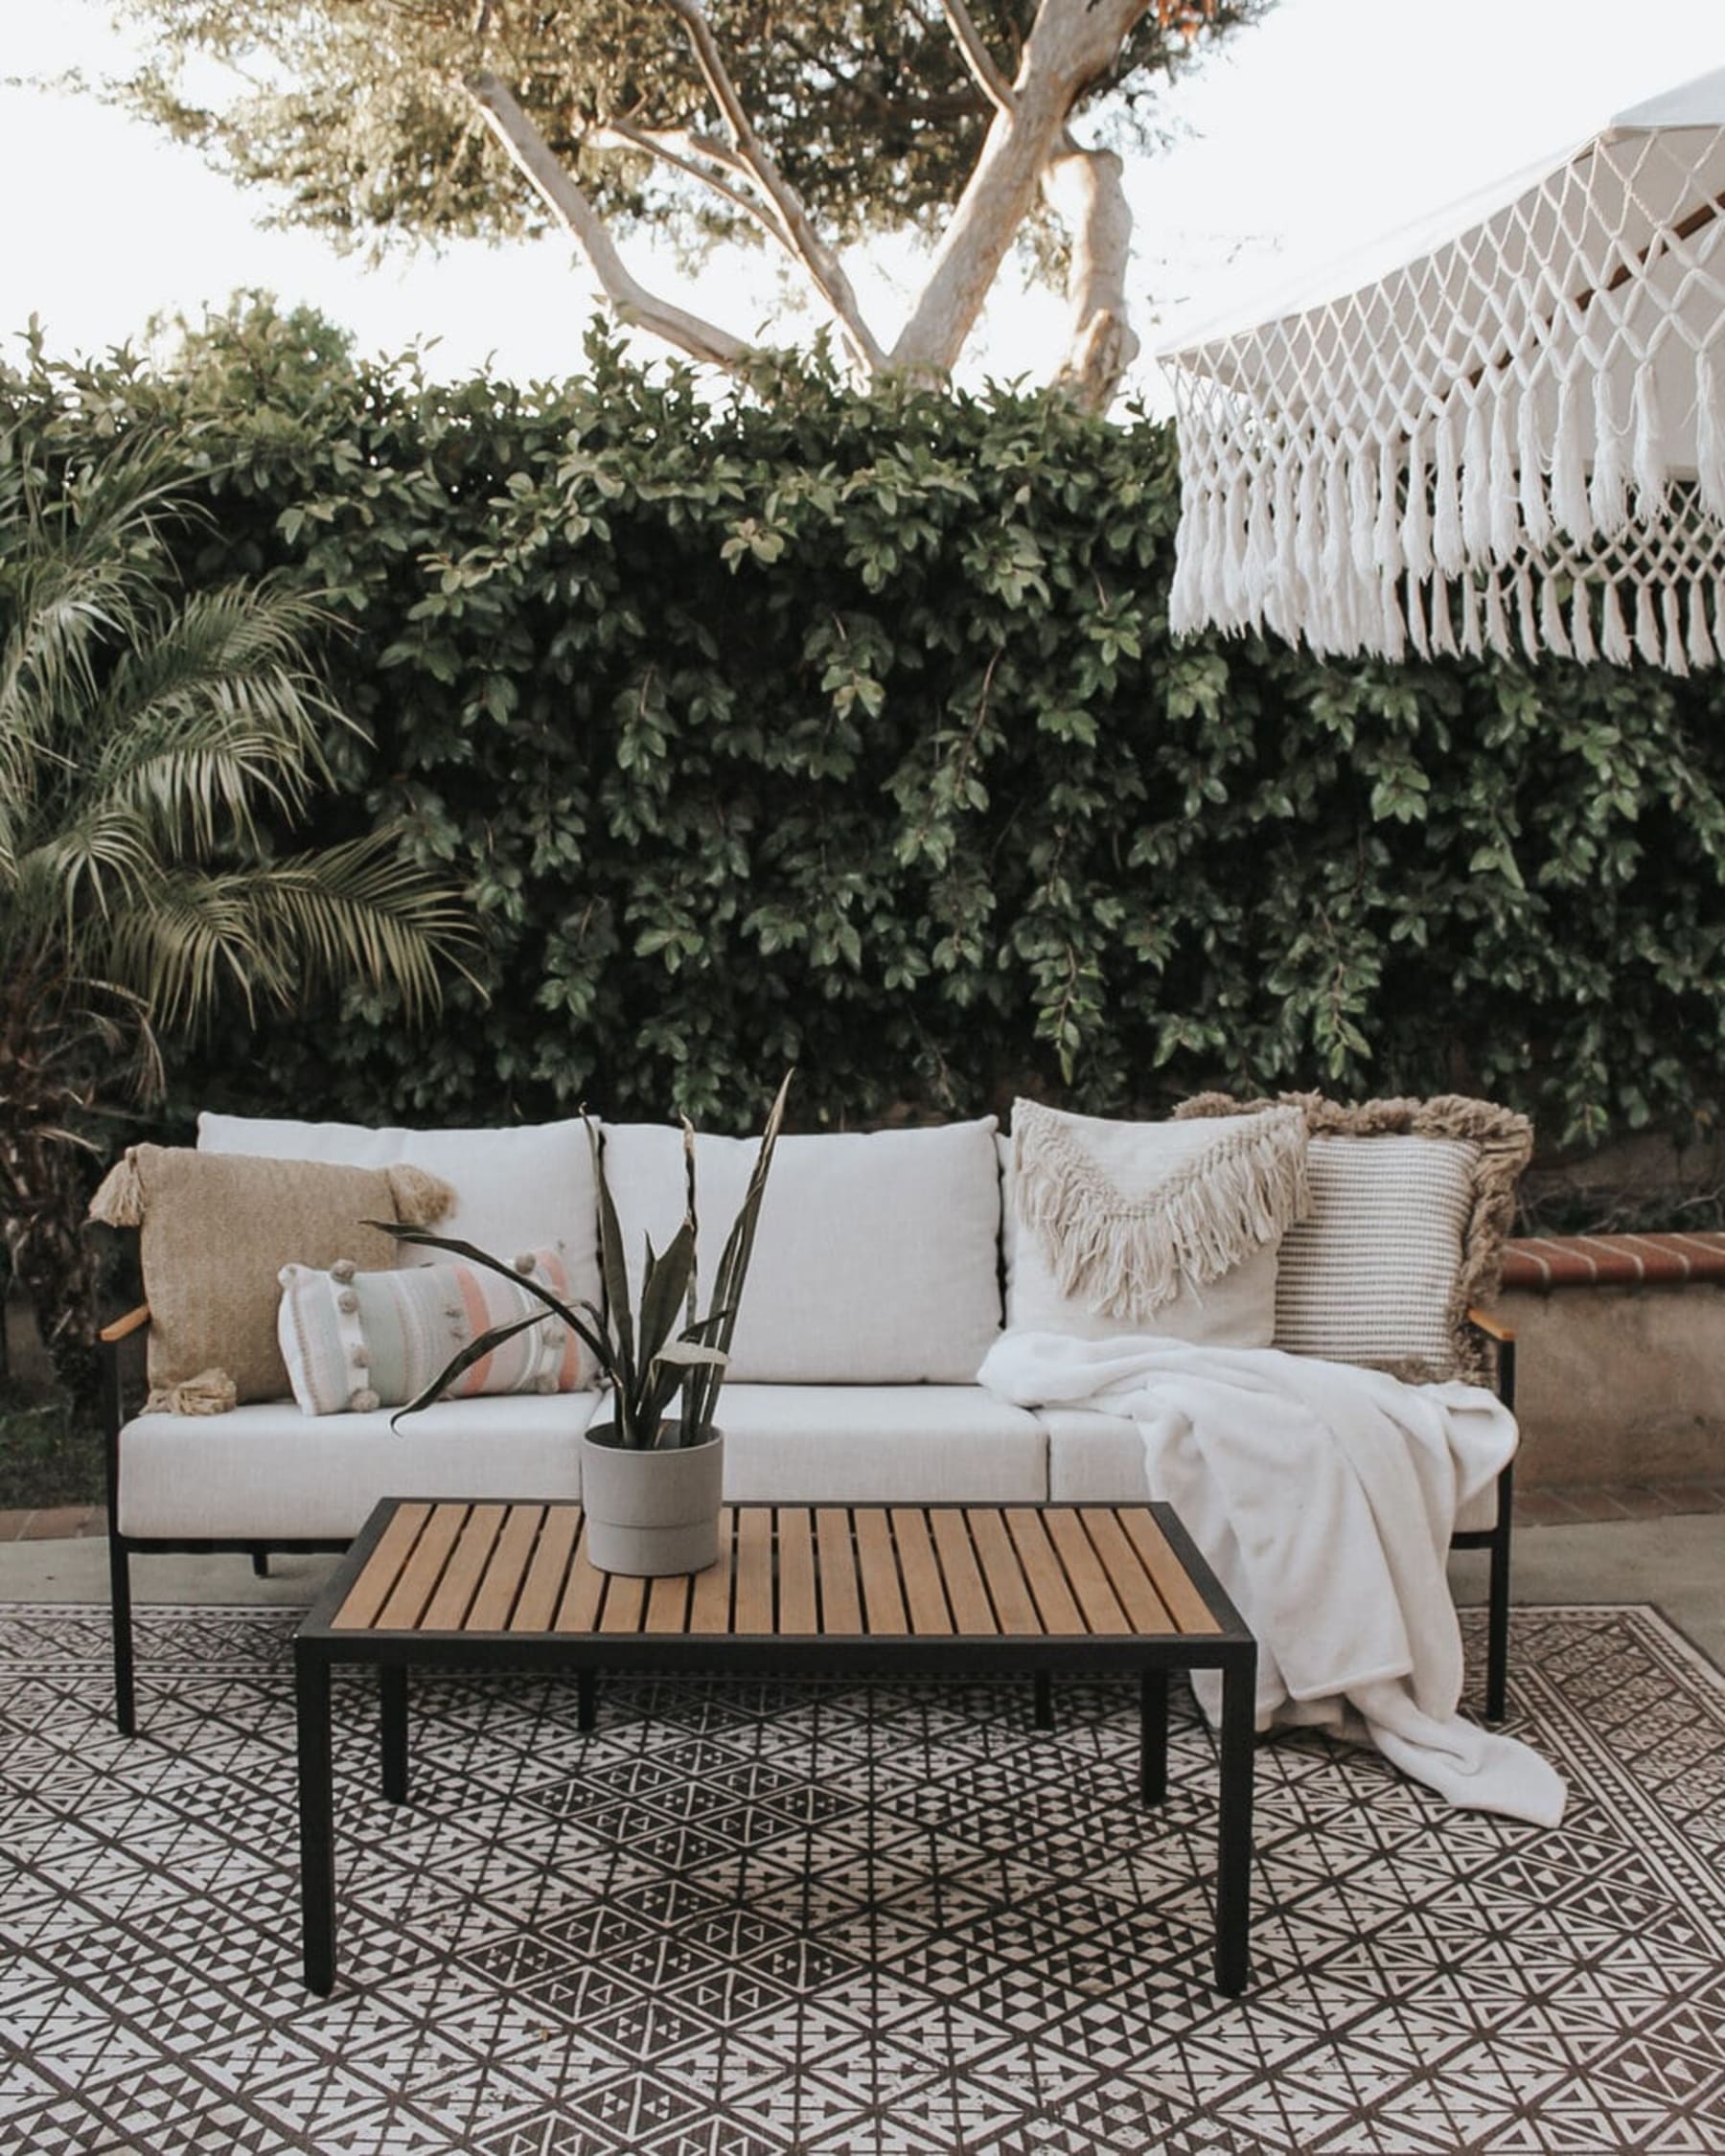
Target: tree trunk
<point>1072,42</point>
<point>1086,188</point>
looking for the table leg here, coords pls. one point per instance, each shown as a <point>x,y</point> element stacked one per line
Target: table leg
<point>1153,1735</point>
<point>1045,1700</point>
<point>392,1721</point>
<point>1233,1847</point>
<point>316,1821</point>
<point>586,1699</point>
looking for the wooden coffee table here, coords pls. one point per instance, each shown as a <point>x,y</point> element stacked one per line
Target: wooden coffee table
<point>1042,1591</point>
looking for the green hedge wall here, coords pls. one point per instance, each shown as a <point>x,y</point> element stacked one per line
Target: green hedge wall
<point>809,727</point>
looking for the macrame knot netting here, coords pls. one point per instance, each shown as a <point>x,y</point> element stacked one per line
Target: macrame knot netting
<point>1513,441</point>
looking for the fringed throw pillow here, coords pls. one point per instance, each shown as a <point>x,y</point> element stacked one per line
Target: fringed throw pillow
<point>1412,1201</point>
<point>215,1230</point>
<point>355,1341</point>
<point>1165,1229</point>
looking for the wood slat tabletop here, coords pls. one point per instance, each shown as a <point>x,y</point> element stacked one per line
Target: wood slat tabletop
<point>788,1573</point>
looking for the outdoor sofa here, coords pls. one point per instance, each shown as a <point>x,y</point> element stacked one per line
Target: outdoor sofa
<point>886,1263</point>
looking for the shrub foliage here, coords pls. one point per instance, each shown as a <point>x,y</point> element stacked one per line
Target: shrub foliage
<point>846,731</point>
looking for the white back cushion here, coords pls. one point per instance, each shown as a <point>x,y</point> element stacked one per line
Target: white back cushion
<point>522,1187</point>
<point>876,1257</point>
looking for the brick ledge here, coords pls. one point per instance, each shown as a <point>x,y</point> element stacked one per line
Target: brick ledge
<point>1544,1262</point>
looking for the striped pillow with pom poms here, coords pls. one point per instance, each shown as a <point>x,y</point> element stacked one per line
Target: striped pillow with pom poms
<point>354,1341</point>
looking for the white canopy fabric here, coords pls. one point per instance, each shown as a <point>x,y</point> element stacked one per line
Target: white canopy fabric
<point>1509,433</point>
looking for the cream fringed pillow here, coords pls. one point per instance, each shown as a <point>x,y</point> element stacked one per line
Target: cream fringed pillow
<point>1410,1202</point>
<point>1165,1229</point>
<point>215,1232</point>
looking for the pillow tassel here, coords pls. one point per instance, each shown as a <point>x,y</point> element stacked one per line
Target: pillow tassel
<point>420,1199</point>
<point>211,1392</point>
<point>119,1199</point>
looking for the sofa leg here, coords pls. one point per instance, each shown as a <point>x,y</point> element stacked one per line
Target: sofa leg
<point>1045,1700</point>
<point>1497,1611</point>
<point>120,1608</point>
<point>261,1564</point>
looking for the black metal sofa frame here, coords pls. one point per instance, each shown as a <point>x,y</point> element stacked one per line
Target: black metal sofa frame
<point>126,1333</point>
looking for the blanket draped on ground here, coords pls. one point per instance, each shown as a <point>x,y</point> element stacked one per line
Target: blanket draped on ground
<point>1324,1497</point>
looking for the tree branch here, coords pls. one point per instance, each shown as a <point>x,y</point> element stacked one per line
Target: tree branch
<point>630,301</point>
<point>819,262</point>
<point>977,57</point>
<point>682,152</point>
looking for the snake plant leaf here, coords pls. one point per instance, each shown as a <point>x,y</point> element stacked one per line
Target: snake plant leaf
<point>613,1269</point>
<point>667,1377</point>
<point>733,1264</point>
<point>663,1286</point>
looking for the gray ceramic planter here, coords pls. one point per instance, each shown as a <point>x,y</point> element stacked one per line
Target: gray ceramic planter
<point>650,1513</point>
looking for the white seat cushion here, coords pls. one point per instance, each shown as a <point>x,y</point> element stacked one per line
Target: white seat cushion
<point>267,1472</point>
<point>879,1444</point>
<point>876,1257</point>
<point>1100,1459</point>
<point>1095,1458</point>
<point>524,1187</point>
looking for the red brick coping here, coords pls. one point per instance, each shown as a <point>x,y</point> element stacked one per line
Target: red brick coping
<point>1544,1262</point>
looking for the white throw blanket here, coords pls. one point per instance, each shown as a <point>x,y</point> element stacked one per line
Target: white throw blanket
<point>1324,1497</point>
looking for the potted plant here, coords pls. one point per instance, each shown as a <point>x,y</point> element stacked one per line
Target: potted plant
<point>651,1481</point>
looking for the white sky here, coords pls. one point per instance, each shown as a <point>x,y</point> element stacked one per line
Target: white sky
<point>1330,122</point>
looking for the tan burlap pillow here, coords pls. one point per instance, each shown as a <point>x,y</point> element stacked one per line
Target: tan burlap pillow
<point>1410,1201</point>
<point>216,1229</point>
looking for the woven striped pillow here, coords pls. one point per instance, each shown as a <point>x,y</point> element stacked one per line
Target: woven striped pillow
<point>1369,1275</point>
<point>1410,1202</point>
<point>358,1340</point>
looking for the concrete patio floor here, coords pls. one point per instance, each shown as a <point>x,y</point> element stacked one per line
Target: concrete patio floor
<point>1673,1560</point>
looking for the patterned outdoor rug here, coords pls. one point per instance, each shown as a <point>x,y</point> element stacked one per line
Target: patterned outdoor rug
<point>750,1919</point>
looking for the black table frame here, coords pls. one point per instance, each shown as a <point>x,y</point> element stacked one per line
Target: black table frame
<point>319,1649</point>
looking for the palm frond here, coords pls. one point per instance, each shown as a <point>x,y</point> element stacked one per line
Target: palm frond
<point>177,951</point>
<point>361,911</point>
<point>274,931</point>
<point>152,743</point>
<point>215,719</point>
<point>98,866</point>
<point>82,575</point>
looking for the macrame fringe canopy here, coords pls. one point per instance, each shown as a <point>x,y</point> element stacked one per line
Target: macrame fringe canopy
<point>1515,441</point>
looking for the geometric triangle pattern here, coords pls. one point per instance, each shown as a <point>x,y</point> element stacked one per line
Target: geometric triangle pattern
<point>747,1918</point>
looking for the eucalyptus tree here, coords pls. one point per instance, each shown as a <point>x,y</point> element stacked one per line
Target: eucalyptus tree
<point>156,748</point>
<point>801,126</point>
